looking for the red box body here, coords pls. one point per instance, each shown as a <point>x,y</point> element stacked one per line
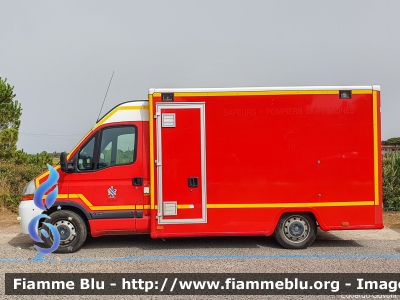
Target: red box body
<point>259,154</point>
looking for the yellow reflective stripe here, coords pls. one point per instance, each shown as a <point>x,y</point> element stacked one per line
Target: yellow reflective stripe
<point>86,201</point>
<point>119,207</point>
<point>44,175</point>
<point>376,157</point>
<point>241,205</point>
<point>64,196</point>
<point>361,92</point>
<point>151,152</point>
<point>260,93</point>
<point>184,206</point>
<point>282,205</point>
<point>180,206</point>
<point>115,110</point>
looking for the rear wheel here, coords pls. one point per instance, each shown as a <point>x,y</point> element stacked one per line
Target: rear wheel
<point>72,230</point>
<point>296,230</point>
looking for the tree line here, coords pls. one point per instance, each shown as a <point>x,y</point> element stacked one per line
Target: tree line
<point>392,142</point>
<point>17,167</point>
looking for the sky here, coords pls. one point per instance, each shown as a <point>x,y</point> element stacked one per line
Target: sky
<point>59,55</point>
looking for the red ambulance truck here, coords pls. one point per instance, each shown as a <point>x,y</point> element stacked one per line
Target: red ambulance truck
<point>223,162</point>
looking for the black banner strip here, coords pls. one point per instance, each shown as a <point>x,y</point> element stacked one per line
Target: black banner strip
<point>367,285</point>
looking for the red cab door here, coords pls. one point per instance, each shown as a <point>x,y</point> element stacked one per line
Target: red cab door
<point>108,174</point>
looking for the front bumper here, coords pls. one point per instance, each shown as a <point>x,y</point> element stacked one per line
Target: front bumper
<point>27,211</point>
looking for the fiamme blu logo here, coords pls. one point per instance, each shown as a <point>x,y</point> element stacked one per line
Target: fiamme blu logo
<point>45,206</point>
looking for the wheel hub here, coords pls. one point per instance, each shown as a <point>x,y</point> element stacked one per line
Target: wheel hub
<point>296,229</point>
<point>66,230</point>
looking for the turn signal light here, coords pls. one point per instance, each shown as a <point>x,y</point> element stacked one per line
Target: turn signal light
<point>345,224</point>
<point>27,197</point>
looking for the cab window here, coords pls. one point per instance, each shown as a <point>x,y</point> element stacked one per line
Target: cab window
<point>86,156</point>
<point>118,146</point>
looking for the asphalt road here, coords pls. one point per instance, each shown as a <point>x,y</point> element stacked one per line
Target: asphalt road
<point>374,251</point>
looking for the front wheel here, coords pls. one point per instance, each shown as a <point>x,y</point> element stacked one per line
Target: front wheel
<point>72,230</point>
<point>296,230</point>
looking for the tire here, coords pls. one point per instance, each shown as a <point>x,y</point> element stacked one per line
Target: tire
<point>296,230</point>
<point>72,229</point>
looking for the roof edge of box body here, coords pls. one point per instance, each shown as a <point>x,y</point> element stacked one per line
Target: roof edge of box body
<point>261,89</point>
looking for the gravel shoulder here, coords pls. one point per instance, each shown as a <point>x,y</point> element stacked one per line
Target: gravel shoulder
<point>391,219</point>
<point>8,221</point>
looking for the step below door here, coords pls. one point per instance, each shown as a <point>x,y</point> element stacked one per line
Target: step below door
<point>181,163</point>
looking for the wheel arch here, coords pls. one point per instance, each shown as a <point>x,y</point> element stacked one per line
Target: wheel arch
<point>308,210</point>
<point>71,206</point>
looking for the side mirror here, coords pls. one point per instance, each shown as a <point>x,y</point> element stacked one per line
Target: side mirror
<point>63,161</point>
<point>65,166</point>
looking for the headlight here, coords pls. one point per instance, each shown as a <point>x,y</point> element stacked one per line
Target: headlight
<point>29,190</point>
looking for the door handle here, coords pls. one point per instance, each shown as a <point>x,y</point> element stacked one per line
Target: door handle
<point>137,181</point>
<point>193,182</point>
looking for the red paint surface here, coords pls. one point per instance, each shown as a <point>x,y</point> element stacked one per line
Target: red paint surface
<point>265,149</point>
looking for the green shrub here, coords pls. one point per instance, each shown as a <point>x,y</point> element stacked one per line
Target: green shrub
<point>391,182</point>
<point>13,178</point>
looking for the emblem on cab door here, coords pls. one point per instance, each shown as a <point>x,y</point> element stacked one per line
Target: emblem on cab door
<point>112,193</point>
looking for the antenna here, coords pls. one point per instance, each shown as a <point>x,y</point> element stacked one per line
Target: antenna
<point>105,97</point>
